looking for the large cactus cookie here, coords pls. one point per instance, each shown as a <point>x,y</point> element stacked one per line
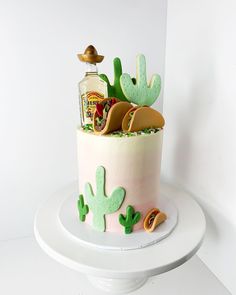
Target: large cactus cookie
<point>100,204</point>
<point>115,89</point>
<point>141,93</point>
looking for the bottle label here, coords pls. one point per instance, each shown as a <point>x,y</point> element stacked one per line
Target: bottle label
<point>89,101</point>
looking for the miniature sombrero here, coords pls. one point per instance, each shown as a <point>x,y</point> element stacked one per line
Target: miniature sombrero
<point>90,55</point>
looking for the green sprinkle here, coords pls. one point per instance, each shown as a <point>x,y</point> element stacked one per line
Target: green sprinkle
<point>135,133</point>
<point>89,128</point>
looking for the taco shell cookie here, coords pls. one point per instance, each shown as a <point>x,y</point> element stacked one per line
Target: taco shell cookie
<point>153,218</point>
<point>109,115</point>
<point>139,118</point>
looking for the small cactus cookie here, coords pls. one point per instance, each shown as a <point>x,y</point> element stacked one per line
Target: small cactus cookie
<point>83,209</point>
<point>141,93</point>
<point>130,219</point>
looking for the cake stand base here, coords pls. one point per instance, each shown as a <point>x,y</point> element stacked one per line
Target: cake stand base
<point>117,286</point>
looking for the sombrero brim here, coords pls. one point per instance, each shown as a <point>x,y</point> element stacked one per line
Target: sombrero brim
<point>90,58</point>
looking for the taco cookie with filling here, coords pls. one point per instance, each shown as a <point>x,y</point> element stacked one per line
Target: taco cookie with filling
<point>109,115</point>
<point>139,118</point>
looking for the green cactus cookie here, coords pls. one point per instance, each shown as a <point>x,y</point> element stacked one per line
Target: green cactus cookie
<point>83,209</point>
<point>141,93</point>
<point>115,89</point>
<point>100,204</point>
<point>130,220</point>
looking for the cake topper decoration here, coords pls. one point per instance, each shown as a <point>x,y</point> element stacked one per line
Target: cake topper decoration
<point>83,209</point>
<point>92,88</point>
<point>141,93</point>
<point>101,204</point>
<point>109,115</point>
<point>153,218</point>
<point>115,89</point>
<point>90,55</point>
<point>139,118</point>
<point>130,219</point>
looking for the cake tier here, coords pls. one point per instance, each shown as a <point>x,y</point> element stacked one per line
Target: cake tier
<point>132,163</point>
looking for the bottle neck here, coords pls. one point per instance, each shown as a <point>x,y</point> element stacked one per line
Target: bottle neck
<point>91,69</point>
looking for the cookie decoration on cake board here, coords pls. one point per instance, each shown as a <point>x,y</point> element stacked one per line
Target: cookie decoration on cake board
<point>153,219</point>
<point>82,208</point>
<point>130,219</point>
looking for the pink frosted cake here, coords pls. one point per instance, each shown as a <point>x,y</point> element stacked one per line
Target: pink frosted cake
<point>119,156</point>
<point>130,162</point>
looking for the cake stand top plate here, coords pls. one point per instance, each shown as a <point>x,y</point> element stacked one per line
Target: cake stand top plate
<point>169,253</point>
<point>84,233</point>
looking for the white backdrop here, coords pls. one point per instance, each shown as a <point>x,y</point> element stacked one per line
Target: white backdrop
<point>39,72</point>
<point>200,105</point>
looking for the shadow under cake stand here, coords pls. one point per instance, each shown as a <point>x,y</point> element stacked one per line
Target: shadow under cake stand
<point>112,268</point>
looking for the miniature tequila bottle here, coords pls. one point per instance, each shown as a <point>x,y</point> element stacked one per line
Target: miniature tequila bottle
<point>92,89</point>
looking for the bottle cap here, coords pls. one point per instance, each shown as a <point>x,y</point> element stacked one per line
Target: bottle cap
<point>90,55</point>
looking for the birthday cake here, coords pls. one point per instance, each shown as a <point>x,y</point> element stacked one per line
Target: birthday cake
<point>119,149</point>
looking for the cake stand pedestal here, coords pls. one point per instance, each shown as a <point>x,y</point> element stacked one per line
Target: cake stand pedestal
<point>120,272</point>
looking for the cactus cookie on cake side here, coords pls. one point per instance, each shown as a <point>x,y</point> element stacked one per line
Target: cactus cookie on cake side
<point>101,204</point>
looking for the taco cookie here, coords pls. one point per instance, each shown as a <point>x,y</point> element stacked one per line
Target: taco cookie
<point>153,218</point>
<point>109,115</point>
<point>139,118</point>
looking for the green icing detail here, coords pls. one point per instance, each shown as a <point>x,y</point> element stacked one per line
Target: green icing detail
<point>130,220</point>
<point>83,209</point>
<point>141,93</point>
<point>115,89</point>
<point>100,204</point>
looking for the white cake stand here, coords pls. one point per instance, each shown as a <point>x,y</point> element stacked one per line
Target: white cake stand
<point>121,272</point>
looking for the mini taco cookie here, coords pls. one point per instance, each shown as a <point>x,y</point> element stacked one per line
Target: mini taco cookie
<point>139,118</point>
<point>153,218</point>
<point>109,115</point>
